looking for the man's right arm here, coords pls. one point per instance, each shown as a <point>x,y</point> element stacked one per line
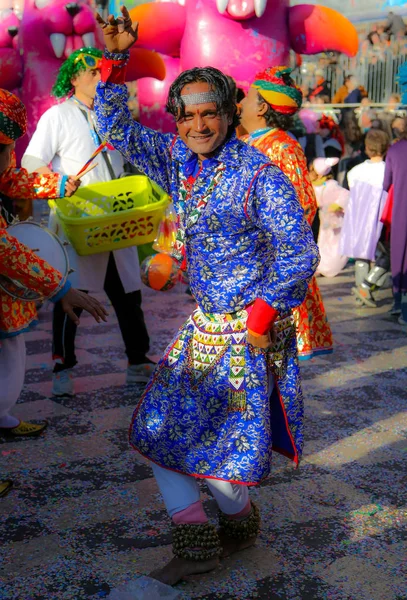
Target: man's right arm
<point>146,149</point>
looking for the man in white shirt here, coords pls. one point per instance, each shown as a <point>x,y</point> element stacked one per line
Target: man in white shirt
<point>64,140</point>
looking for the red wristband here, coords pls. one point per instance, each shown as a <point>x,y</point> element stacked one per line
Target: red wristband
<point>113,71</point>
<point>261,317</point>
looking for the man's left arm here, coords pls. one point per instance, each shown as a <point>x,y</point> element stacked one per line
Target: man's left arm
<point>274,208</point>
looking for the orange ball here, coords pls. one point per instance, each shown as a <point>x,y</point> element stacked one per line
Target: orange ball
<point>159,272</point>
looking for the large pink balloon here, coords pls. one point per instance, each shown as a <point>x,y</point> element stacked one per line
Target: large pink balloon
<point>239,37</point>
<point>152,96</point>
<point>11,66</point>
<point>238,43</point>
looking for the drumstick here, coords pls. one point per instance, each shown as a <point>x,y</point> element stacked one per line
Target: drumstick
<point>85,171</point>
<point>94,155</point>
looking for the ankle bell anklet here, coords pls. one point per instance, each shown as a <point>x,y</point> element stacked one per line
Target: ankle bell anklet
<point>243,529</point>
<point>196,541</point>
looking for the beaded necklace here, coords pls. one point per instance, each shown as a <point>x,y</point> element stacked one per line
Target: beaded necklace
<point>188,215</point>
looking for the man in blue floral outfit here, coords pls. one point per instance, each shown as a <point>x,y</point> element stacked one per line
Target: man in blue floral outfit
<point>227,389</point>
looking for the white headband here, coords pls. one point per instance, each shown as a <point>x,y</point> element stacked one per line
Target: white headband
<point>200,98</point>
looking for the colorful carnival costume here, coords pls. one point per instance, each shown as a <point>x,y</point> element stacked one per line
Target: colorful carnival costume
<point>18,262</point>
<point>332,200</point>
<point>277,90</point>
<point>207,411</point>
<point>362,228</point>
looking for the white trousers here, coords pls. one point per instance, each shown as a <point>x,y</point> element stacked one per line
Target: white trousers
<point>180,491</point>
<point>12,371</point>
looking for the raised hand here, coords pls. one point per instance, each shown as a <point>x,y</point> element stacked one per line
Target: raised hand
<point>119,34</point>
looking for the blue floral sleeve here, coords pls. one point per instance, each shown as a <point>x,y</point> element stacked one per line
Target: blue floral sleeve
<point>146,149</point>
<point>274,208</point>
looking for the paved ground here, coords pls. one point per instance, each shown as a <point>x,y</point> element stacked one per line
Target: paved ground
<point>85,514</point>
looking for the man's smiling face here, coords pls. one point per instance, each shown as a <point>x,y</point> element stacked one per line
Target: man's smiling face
<point>202,128</point>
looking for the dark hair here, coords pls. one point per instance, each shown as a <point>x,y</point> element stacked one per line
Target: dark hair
<point>370,36</point>
<point>219,84</point>
<point>403,134</point>
<point>377,124</point>
<point>3,147</point>
<point>233,86</point>
<point>239,95</point>
<point>274,118</point>
<point>376,143</point>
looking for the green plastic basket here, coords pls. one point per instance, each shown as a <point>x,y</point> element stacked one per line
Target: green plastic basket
<point>108,216</point>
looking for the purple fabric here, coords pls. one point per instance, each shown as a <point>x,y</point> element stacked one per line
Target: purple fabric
<point>396,174</point>
<point>361,226</point>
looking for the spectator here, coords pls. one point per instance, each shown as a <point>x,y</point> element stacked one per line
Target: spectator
<point>334,142</point>
<point>387,115</point>
<point>311,142</point>
<point>343,91</point>
<point>365,115</point>
<point>321,88</point>
<point>350,92</point>
<point>353,134</point>
<point>398,128</point>
<point>395,25</point>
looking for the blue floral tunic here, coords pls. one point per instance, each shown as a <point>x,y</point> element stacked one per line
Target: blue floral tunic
<point>207,411</point>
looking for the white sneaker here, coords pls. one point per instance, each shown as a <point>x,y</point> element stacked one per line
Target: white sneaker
<point>402,321</point>
<point>139,373</point>
<point>62,383</point>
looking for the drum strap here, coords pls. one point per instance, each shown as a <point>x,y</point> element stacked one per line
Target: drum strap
<point>97,137</point>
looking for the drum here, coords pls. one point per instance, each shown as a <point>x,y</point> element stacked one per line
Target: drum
<point>47,246</point>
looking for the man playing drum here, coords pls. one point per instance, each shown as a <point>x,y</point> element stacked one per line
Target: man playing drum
<point>65,138</point>
<point>18,262</point>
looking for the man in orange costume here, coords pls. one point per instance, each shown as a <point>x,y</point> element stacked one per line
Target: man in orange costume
<point>266,114</point>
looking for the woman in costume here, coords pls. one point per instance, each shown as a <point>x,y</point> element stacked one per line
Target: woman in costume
<point>332,200</point>
<point>266,114</point>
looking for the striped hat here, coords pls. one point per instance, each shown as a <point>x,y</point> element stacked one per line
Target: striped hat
<point>13,117</point>
<point>279,90</point>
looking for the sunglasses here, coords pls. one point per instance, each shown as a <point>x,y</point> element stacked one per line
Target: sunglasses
<point>89,61</point>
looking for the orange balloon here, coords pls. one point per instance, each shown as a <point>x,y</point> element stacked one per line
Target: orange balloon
<point>159,272</point>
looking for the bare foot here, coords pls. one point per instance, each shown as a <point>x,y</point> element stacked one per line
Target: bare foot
<point>178,568</point>
<point>232,545</point>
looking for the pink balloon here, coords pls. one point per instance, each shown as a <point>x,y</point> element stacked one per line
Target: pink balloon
<point>152,96</point>
<point>11,71</point>
<point>240,48</point>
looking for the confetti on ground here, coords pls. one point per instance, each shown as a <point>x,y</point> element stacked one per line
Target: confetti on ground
<point>85,516</point>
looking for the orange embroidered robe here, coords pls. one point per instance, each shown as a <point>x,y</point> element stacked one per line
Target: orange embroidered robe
<point>314,334</point>
<point>19,262</point>
<point>16,260</point>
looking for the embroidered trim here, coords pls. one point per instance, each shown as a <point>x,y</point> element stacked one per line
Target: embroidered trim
<point>188,216</point>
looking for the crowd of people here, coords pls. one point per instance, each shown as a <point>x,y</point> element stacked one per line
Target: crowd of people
<point>336,79</point>
<point>347,157</point>
<point>252,209</point>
